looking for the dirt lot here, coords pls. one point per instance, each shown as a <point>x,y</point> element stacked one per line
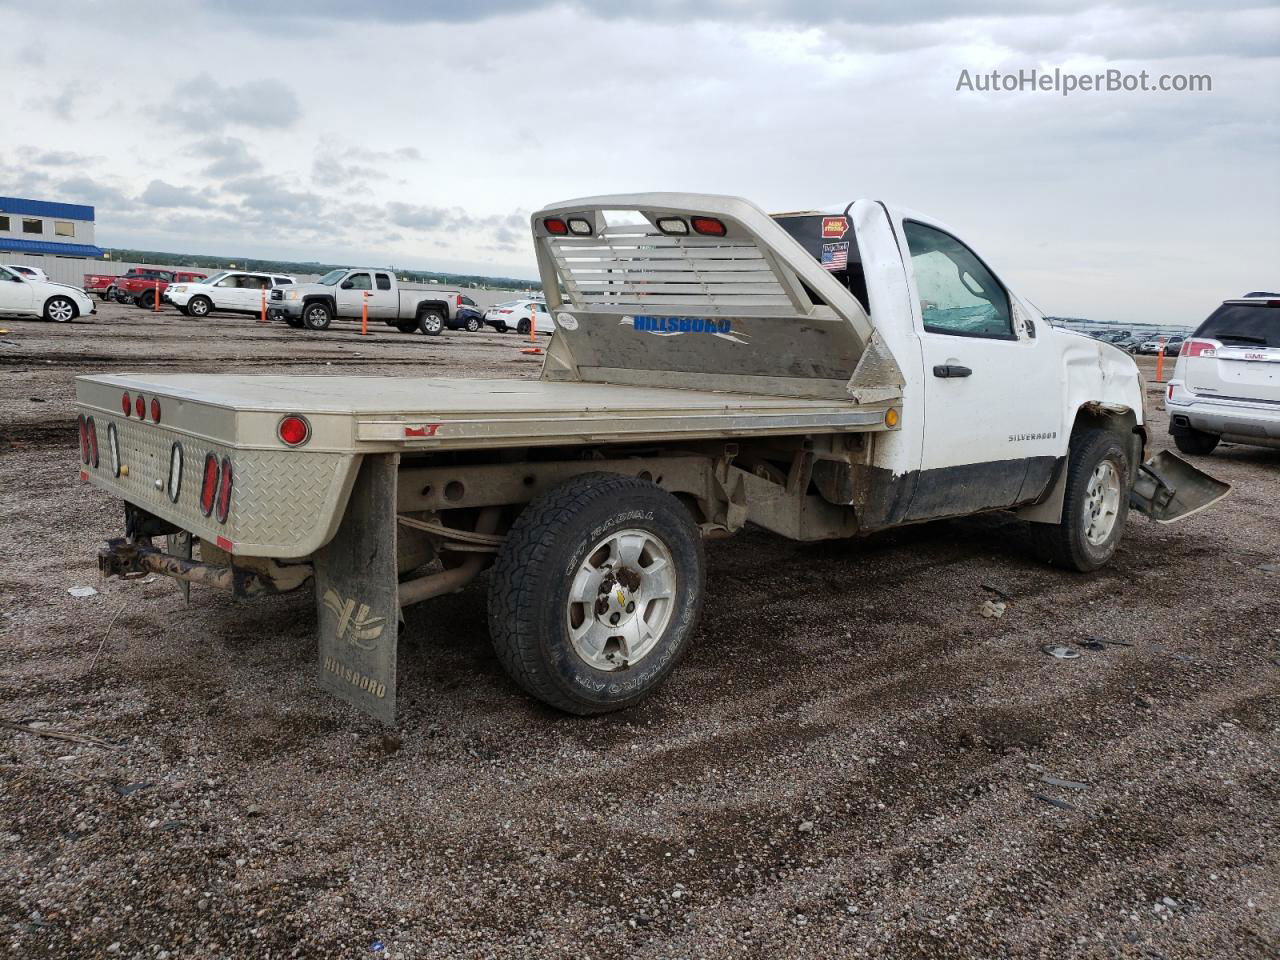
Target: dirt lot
<point>848,764</point>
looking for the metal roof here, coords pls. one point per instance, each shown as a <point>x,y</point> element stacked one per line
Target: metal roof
<point>45,208</point>
<point>44,246</point>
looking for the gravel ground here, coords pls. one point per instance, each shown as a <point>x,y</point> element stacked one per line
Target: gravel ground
<point>851,762</point>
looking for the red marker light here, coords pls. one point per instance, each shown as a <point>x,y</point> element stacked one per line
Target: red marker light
<point>125,403</point>
<point>707,226</point>
<point>209,488</point>
<point>556,225</point>
<point>294,430</point>
<point>224,491</point>
<point>92,432</point>
<point>140,407</point>
<point>155,410</point>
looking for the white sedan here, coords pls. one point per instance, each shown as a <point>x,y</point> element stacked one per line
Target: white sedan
<point>231,291</point>
<point>31,273</point>
<point>27,297</point>
<point>515,314</point>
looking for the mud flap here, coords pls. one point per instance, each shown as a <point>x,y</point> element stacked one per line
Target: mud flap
<point>357,604</point>
<point>1168,489</point>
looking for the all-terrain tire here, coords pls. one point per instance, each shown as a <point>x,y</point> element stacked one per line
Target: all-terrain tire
<point>1066,544</point>
<point>1195,442</point>
<point>431,322</point>
<point>529,591</point>
<point>317,315</point>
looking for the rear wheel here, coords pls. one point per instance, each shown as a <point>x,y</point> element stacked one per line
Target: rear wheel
<point>473,324</point>
<point>430,322</point>
<point>60,310</point>
<point>596,593</point>
<point>1094,508</point>
<point>1195,442</point>
<point>145,299</point>
<point>199,307</point>
<point>317,315</point>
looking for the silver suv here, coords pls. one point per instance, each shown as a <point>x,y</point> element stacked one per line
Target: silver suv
<point>1226,384</point>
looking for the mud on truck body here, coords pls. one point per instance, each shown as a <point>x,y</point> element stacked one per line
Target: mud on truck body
<point>819,375</point>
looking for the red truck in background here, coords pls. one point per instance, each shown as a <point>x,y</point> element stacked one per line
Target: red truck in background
<point>142,288</point>
<point>99,283</point>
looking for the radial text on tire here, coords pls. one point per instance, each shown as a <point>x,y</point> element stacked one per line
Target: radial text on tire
<point>596,592</point>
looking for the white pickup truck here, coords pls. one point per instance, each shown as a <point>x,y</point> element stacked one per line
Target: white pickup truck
<point>345,293</point>
<point>820,375</point>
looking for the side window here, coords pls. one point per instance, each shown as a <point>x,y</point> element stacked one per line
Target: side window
<point>230,282</point>
<point>384,282</point>
<point>958,294</point>
<point>4,223</point>
<point>283,281</point>
<point>359,281</point>
<point>32,226</point>
<point>468,301</point>
<point>64,228</point>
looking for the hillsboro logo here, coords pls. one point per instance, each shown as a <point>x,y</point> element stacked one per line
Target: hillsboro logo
<point>647,324</point>
<point>354,626</point>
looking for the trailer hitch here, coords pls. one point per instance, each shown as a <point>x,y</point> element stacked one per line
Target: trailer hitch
<point>132,558</point>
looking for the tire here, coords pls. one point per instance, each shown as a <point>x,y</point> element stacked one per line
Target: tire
<point>522,328</point>
<point>431,322</point>
<point>473,325</point>
<point>295,322</point>
<point>317,315</point>
<point>60,310</point>
<point>146,300</point>
<point>1078,542</point>
<point>199,307</point>
<point>501,326</point>
<point>566,540</point>
<point>106,296</point>
<point>1195,442</point>
<point>407,326</point>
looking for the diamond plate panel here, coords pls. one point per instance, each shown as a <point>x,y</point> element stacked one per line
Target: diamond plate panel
<point>281,502</point>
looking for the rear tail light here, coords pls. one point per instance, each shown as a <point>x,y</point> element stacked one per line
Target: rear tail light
<point>175,471</point>
<point>91,433</point>
<point>140,407</point>
<point>126,404</point>
<point>707,226</point>
<point>1199,348</point>
<point>674,225</point>
<point>209,486</point>
<point>84,440</point>
<point>580,227</point>
<point>155,410</point>
<point>113,448</point>
<point>294,431</point>
<point>556,225</point>
<point>224,491</point>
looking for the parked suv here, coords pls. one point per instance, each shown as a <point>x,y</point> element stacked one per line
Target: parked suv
<point>1226,383</point>
<point>231,291</point>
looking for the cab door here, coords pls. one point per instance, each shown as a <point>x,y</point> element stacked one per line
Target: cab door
<point>384,301</point>
<point>992,387</point>
<point>351,293</point>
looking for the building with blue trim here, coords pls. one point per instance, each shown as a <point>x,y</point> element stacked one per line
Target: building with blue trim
<point>47,235</point>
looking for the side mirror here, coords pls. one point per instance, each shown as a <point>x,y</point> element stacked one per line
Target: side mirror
<point>347,285</point>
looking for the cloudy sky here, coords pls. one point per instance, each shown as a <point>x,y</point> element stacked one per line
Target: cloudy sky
<point>421,134</point>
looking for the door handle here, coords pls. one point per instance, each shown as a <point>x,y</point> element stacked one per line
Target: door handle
<point>948,371</point>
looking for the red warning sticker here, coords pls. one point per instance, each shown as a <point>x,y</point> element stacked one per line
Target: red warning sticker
<point>833,228</point>
<point>426,430</point>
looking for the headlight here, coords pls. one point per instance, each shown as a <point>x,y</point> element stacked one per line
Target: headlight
<point>180,288</point>
<point>292,294</point>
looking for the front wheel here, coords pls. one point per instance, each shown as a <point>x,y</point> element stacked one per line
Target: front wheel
<point>522,328</point>
<point>596,593</point>
<point>317,315</point>
<point>1094,508</point>
<point>431,323</point>
<point>1195,442</point>
<point>60,310</point>
<point>199,307</point>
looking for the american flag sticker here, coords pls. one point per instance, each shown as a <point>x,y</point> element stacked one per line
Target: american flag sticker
<point>835,256</point>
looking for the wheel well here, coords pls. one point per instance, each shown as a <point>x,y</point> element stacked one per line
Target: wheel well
<point>319,298</point>
<point>433,306</point>
<point>1122,421</point>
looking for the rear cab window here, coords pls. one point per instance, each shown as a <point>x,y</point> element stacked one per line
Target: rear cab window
<point>384,281</point>
<point>829,239</point>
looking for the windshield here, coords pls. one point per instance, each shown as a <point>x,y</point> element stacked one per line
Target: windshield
<point>332,277</point>
<point>215,278</point>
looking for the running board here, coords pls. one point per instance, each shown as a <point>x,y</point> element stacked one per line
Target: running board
<point>1168,489</point>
